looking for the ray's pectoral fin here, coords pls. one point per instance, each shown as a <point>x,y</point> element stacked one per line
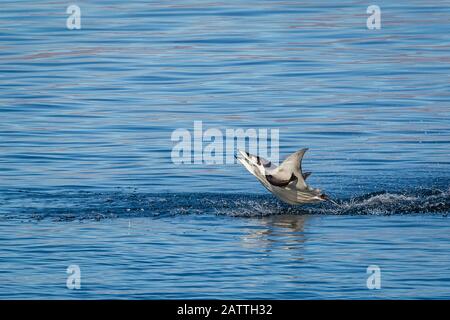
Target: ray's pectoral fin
<point>279,182</point>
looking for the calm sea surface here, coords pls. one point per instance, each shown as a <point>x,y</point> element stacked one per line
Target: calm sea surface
<point>87,179</point>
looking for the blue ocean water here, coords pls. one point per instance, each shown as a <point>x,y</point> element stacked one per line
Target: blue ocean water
<point>86,175</point>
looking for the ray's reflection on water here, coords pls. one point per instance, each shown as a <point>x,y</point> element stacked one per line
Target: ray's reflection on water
<point>287,228</point>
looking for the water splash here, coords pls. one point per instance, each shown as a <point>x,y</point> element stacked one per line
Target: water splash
<point>80,205</point>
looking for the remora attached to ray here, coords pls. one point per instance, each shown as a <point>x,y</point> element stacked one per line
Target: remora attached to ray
<point>286,181</point>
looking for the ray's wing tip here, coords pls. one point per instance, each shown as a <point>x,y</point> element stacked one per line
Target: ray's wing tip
<point>301,152</point>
